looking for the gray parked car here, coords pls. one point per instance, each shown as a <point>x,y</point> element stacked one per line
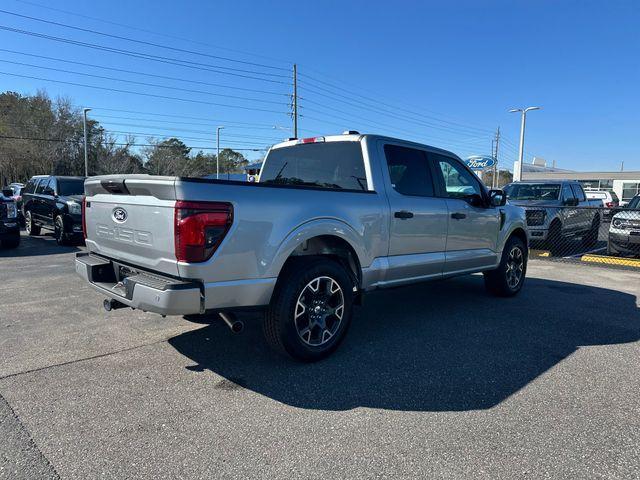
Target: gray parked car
<point>330,219</point>
<point>557,211</point>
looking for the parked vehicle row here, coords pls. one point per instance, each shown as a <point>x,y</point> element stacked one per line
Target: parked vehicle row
<point>557,212</point>
<point>330,219</point>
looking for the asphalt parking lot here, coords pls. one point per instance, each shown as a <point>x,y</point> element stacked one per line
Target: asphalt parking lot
<point>434,381</point>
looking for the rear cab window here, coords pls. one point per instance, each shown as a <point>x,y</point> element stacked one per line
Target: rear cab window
<point>329,165</point>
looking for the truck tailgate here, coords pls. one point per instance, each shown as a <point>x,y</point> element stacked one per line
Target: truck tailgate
<point>131,219</point>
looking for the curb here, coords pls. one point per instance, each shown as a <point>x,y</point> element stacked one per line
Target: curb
<point>627,262</point>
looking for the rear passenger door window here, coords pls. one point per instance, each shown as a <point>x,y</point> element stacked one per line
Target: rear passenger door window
<point>49,188</point>
<point>579,193</point>
<point>409,171</point>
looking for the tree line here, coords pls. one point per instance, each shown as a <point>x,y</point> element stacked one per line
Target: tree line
<point>41,136</point>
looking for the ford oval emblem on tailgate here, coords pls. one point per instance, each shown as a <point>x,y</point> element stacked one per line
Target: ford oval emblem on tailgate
<point>119,215</point>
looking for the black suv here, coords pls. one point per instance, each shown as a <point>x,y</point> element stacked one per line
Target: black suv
<point>54,203</point>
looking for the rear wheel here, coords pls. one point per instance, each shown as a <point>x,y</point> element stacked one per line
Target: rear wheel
<point>591,238</point>
<point>508,278</point>
<point>311,309</point>
<point>29,225</point>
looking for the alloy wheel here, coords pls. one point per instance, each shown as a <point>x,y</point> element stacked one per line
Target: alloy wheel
<point>515,267</point>
<point>319,311</point>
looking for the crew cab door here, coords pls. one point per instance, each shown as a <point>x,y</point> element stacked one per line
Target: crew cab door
<point>473,225</point>
<point>570,213</point>
<point>418,218</point>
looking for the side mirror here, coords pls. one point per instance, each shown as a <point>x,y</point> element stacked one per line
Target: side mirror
<point>497,198</point>
<point>7,192</point>
<point>571,202</point>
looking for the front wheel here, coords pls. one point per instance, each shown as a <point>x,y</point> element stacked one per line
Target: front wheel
<point>311,309</point>
<point>508,278</point>
<point>58,230</point>
<point>29,225</point>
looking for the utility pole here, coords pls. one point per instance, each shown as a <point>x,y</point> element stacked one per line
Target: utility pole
<point>86,142</point>
<point>295,100</point>
<point>218,149</point>
<point>496,170</point>
<point>517,174</point>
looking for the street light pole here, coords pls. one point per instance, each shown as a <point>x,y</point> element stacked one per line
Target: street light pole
<point>517,175</point>
<point>86,136</point>
<point>218,154</point>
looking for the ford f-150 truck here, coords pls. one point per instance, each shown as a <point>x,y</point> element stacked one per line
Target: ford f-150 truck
<point>330,218</point>
<point>557,211</point>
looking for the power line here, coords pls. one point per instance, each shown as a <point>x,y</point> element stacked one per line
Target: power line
<point>140,93</point>
<point>378,102</point>
<point>15,137</point>
<point>211,123</point>
<point>254,90</point>
<point>392,115</point>
<point>151,44</point>
<point>146,84</point>
<point>174,116</point>
<point>146,56</point>
<point>173,37</point>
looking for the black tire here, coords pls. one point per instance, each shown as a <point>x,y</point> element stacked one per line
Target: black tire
<point>30,226</point>
<point>611,250</point>
<point>555,242</point>
<point>500,282</point>
<point>12,242</point>
<point>590,239</point>
<point>286,321</point>
<point>58,230</point>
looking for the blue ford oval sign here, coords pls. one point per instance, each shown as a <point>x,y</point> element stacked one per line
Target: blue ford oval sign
<point>480,162</point>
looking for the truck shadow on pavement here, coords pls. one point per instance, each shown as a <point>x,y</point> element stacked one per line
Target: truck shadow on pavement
<point>432,347</point>
<point>44,244</point>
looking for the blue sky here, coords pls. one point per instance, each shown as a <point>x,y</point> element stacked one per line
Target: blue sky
<point>443,73</point>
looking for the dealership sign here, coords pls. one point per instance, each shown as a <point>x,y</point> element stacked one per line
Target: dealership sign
<point>480,162</point>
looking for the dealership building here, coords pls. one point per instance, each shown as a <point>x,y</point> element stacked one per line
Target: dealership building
<point>626,184</point>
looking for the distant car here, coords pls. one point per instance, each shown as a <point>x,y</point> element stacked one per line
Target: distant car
<point>609,199</point>
<point>54,203</point>
<point>16,188</point>
<point>9,228</point>
<point>624,232</point>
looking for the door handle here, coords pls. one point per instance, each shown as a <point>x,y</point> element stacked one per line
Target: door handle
<point>403,214</point>
<point>458,216</point>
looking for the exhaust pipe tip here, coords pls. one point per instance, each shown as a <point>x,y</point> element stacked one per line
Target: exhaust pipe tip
<point>111,304</point>
<point>235,325</point>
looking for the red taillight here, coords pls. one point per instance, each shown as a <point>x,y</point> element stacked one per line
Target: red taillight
<point>84,218</point>
<point>610,204</point>
<point>199,227</point>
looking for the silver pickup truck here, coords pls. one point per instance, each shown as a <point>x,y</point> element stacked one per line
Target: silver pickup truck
<point>330,218</point>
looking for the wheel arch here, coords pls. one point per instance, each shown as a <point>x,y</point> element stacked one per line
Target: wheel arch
<point>330,238</point>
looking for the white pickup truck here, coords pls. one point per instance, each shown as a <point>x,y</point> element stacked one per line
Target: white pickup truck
<point>330,219</point>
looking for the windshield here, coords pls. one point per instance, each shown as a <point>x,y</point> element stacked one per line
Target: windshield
<point>533,191</point>
<point>71,187</point>
<point>337,165</point>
